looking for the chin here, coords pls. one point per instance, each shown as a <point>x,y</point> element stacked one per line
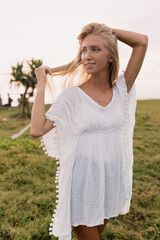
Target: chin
<point>90,71</point>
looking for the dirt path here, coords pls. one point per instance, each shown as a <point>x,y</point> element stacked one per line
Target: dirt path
<point>21,132</point>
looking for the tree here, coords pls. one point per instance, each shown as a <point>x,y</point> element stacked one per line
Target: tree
<point>25,76</point>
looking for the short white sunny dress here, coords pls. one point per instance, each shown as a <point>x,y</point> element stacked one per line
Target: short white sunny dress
<point>98,188</point>
<point>96,156</point>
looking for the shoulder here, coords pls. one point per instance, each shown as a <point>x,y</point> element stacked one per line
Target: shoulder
<point>120,83</point>
<point>66,94</point>
<point>63,101</point>
<point>120,79</point>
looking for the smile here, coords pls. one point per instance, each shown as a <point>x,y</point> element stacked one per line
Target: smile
<point>89,64</point>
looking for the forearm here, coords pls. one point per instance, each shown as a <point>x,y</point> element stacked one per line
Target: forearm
<point>132,39</point>
<point>38,112</point>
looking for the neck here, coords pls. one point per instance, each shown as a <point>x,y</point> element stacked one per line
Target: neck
<point>100,81</point>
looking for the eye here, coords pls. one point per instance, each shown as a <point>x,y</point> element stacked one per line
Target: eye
<point>83,50</point>
<point>96,50</point>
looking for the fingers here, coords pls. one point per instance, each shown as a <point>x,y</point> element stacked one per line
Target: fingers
<point>46,69</point>
<point>41,73</point>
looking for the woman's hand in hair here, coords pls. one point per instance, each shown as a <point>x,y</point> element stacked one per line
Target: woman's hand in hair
<point>41,74</point>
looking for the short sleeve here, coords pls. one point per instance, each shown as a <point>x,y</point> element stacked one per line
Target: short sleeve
<point>121,88</point>
<point>57,111</point>
<point>58,114</point>
<point>129,99</point>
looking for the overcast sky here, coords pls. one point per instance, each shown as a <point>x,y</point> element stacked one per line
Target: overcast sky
<point>48,30</point>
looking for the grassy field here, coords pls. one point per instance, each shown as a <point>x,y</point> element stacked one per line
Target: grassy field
<point>27,188</point>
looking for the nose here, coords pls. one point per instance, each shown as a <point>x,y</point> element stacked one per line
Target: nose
<point>88,55</point>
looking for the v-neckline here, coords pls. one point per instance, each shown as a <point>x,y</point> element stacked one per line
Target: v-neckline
<point>92,100</point>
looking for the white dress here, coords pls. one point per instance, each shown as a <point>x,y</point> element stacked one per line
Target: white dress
<point>94,145</point>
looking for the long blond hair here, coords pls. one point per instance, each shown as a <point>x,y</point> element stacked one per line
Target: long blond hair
<point>75,70</point>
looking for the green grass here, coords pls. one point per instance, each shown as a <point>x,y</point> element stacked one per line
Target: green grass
<point>27,189</point>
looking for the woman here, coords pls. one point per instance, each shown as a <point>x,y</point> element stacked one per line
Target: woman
<point>89,128</point>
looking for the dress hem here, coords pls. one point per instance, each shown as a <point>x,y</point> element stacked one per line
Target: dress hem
<point>99,222</point>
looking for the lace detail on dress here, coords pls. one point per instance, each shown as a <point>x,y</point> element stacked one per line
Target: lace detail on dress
<point>127,136</point>
<point>125,130</point>
<point>50,146</point>
<point>55,144</point>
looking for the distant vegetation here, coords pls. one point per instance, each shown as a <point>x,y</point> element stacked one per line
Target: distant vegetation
<point>23,74</point>
<point>27,189</point>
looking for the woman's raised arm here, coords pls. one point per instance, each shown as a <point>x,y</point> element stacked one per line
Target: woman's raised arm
<point>39,124</point>
<point>139,43</point>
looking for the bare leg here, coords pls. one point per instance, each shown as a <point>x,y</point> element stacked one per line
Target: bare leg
<point>102,226</point>
<point>86,233</point>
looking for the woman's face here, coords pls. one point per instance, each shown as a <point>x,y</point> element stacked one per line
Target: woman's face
<point>94,54</point>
